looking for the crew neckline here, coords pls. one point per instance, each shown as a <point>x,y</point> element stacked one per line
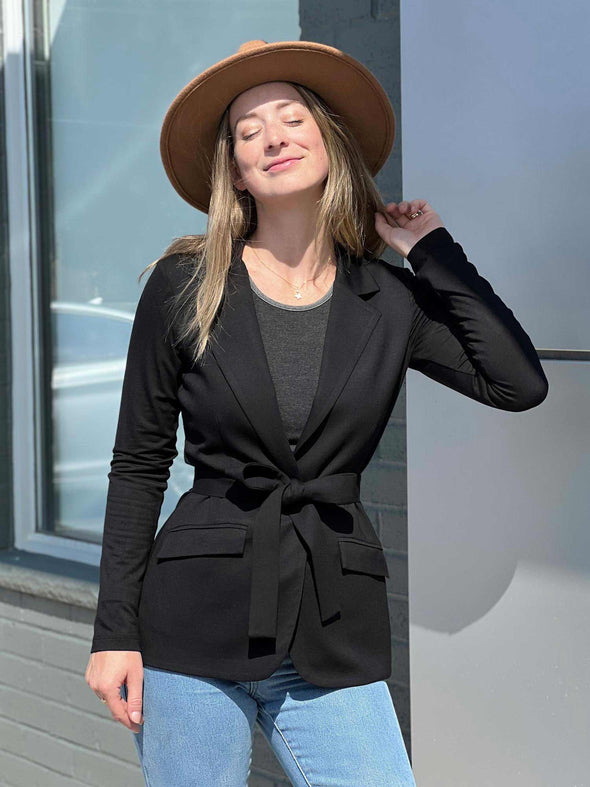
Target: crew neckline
<point>289,306</point>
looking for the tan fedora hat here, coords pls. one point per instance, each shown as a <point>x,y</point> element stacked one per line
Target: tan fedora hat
<point>190,125</point>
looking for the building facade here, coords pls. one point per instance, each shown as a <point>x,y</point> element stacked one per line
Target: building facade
<point>483,679</point>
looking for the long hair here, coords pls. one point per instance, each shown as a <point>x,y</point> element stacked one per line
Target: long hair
<point>345,215</point>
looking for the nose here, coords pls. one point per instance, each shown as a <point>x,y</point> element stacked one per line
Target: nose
<point>275,134</point>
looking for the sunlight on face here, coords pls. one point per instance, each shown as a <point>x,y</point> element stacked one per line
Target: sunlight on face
<point>271,122</point>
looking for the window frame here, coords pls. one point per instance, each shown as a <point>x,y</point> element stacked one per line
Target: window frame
<point>30,477</point>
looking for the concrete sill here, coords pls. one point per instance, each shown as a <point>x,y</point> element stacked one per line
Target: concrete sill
<point>49,577</point>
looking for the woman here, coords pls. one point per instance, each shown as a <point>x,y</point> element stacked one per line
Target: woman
<point>284,340</point>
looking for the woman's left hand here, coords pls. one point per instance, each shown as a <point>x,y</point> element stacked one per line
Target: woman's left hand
<point>401,232</point>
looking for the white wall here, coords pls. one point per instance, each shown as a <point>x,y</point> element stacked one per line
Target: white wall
<point>495,123</point>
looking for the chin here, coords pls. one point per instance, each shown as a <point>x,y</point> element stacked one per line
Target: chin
<point>298,190</point>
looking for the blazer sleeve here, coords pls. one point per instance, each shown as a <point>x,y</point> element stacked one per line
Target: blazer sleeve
<point>145,447</point>
<point>463,335</point>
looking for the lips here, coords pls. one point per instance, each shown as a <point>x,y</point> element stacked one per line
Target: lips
<point>282,161</point>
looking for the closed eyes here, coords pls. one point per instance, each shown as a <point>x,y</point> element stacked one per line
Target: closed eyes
<point>289,122</point>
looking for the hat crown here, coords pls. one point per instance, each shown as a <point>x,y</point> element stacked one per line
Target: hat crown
<point>191,124</point>
<point>254,44</point>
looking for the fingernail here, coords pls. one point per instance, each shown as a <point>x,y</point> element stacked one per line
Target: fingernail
<point>136,716</point>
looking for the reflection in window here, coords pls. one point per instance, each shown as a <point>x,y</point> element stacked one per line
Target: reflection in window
<point>104,73</point>
<point>89,336</point>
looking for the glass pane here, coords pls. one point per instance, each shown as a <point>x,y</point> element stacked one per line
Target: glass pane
<point>105,74</point>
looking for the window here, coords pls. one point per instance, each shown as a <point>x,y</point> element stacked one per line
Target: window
<point>87,85</point>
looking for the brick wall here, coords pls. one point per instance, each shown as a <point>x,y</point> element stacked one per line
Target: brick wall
<point>54,731</point>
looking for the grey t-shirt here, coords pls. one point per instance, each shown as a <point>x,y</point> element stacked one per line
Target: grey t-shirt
<point>293,338</point>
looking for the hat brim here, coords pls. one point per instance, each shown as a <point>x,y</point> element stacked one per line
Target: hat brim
<point>190,125</point>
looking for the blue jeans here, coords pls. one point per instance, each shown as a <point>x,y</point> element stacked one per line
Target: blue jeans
<point>198,731</point>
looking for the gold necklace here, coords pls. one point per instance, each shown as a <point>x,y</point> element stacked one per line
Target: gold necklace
<point>297,289</point>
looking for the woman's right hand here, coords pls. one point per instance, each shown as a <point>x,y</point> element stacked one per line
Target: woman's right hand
<point>106,672</point>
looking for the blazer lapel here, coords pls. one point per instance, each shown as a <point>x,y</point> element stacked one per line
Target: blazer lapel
<point>239,351</point>
<point>351,322</point>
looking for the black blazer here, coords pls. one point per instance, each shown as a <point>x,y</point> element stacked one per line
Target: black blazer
<point>271,551</point>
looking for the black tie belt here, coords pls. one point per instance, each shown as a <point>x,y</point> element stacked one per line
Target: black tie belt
<point>320,539</point>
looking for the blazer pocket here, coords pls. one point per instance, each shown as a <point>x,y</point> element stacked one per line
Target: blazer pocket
<point>357,555</point>
<point>219,539</point>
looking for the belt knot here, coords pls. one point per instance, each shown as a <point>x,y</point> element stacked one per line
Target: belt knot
<point>322,542</point>
<point>295,491</point>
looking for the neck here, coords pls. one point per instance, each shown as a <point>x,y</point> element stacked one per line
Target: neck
<point>285,239</point>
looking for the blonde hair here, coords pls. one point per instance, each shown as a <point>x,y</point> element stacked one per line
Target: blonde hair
<point>345,214</point>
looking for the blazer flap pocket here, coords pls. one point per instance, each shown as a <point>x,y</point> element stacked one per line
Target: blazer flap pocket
<point>200,540</point>
<point>364,557</point>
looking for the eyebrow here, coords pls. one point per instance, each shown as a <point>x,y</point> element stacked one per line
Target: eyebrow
<point>280,105</point>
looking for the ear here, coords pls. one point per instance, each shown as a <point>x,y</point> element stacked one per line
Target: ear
<point>237,179</point>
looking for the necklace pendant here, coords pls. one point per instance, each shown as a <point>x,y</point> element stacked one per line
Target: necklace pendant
<point>298,294</point>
